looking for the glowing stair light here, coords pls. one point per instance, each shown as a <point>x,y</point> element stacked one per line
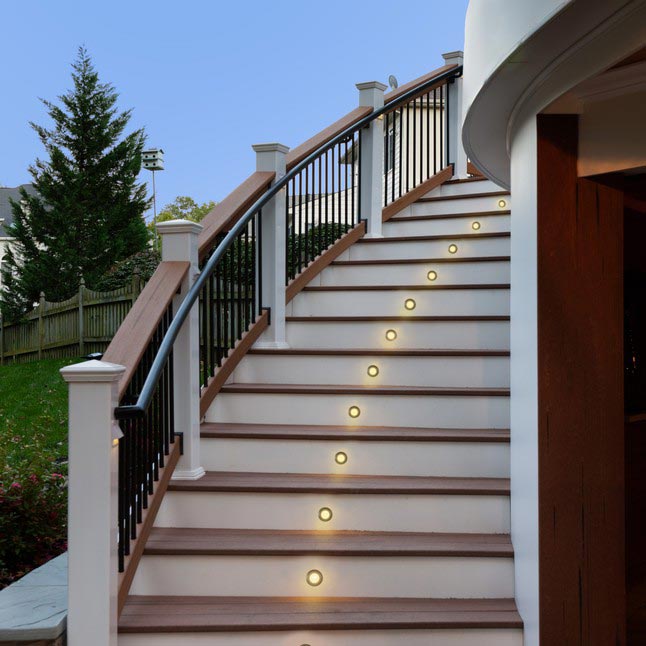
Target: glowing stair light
<point>410,304</point>
<point>341,457</point>
<point>453,248</point>
<point>432,275</point>
<point>391,335</point>
<point>325,514</point>
<point>373,370</point>
<point>354,411</point>
<point>475,226</point>
<point>314,578</point>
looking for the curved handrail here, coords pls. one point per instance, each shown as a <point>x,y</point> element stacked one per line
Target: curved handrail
<point>166,346</point>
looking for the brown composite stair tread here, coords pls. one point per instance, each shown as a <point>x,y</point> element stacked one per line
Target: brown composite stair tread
<point>203,541</point>
<point>333,389</point>
<point>380,352</point>
<point>452,236</point>
<point>420,261</point>
<point>466,180</point>
<point>442,198</point>
<point>447,216</point>
<point>254,482</point>
<point>364,433</point>
<point>407,288</point>
<point>159,614</point>
<point>418,319</point>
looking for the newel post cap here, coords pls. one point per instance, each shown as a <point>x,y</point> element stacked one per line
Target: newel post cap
<point>179,226</point>
<point>371,85</point>
<point>454,58</point>
<point>93,372</point>
<point>271,148</point>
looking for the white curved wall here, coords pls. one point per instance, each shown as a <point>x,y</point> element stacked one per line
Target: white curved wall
<point>494,30</point>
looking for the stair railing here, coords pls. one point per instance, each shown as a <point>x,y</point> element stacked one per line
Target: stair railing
<point>320,197</point>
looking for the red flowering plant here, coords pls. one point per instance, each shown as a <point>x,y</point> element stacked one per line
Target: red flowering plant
<point>33,514</point>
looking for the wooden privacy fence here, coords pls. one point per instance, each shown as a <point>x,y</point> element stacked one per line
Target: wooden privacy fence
<point>84,323</point>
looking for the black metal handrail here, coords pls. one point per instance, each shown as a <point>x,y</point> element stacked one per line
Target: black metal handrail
<point>166,347</point>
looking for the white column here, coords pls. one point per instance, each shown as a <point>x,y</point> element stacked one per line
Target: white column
<point>271,157</point>
<point>371,95</point>
<point>92,507</point>
<point>457,153</point>
<point>179,242</point>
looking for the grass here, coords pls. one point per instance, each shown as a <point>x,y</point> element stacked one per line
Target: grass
<point>33,412</point>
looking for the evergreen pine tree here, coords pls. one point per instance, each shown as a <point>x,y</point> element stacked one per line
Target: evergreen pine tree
<point>88,211</point>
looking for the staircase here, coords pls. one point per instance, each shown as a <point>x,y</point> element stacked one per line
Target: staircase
<point>357,484</point>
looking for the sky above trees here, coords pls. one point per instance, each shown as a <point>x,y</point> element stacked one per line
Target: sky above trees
<point>209,79</point>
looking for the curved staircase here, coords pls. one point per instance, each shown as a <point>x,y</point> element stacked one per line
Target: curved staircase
<point>357,484</point>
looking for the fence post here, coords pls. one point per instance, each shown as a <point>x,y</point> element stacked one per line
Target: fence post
<point>371,151</point>
<point>1,339</point>
<point>92,508</point>
<point>179,243</point>
<point>271,157</point>
<point>136,284</point>
<point>41,325</point>
<point>457,154</point>
<point>81,317</point>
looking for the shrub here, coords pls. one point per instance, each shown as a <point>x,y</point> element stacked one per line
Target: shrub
<point>33,516</point>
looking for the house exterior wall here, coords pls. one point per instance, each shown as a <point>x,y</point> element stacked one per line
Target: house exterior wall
<point>519,57</point>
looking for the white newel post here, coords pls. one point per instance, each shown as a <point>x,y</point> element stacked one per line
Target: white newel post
<point>92,506</point>
<point>371,95</point>
<point>457,153</point>
<point>271,157</point>
<point>179,243</point>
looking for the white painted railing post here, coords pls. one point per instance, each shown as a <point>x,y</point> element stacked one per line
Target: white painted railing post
<point>457,154</point>
<point>92,507</point>
<point>371,145</point>
<point>179,243</point>
<point>271,157</point>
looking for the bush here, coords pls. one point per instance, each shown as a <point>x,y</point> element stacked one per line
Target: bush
<point>120,274</point>
<point>33,516</point>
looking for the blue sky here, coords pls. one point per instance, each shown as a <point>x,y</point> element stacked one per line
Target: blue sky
<point>209,79</point>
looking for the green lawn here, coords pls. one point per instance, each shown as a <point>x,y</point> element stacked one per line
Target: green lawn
<point>33,412</point>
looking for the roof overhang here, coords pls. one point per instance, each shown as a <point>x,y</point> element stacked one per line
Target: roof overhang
<point>521,56</point>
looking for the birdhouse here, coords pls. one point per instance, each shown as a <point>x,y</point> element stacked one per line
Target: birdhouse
<point>153,159</point>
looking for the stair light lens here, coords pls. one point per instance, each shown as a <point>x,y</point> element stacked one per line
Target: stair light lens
<point>314,578</point>
<point>373,370</point>
<point>391,335</point>
<point>502,204</point>
<point>432,275</point>
<point>410,304</point>
<point>325,514</point>
<point>354,411</point>
<point>453,248</point>
<point>341,457</point>
<point>475,226</point>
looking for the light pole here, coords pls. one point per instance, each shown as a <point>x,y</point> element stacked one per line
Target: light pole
<point>153,160</point>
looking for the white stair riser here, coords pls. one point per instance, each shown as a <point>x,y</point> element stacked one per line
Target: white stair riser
<point>421,411</point>
<point>465,188</point>
<point>440,302</point>
<point>423,637</point>
<point>467,247</point>
<point>393,371</point>
<point>343,576</point>
<point>465,205</point>
<point>448,226</point>
<point>451,459</point>
<point>473,335</point>
<point>459,273</point>
<point>486,514</point>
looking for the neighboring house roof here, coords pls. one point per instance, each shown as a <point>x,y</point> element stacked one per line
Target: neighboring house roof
<point>6,212</point>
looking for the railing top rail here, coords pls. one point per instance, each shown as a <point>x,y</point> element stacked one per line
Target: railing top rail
<point>419,83</point>
<point>447,73</point>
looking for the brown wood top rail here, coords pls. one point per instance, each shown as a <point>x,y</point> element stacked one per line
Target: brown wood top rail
<point>402,89</point>
<point>227,212</point>
<point>131,340</point>
<point>299,153</point>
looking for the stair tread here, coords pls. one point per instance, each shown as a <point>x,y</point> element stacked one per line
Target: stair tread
<point>394,288</point>
<point>419,261</point>
<point>281,542</point>
<point>152,614</point>
<point>333,389</point>
<point>421,319</point>
<point>380,352</point>
<point>236,481</point>
<point>441,198</point>
<point>447,216</point>
<point>378,433</point>
<point>452,236</point>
